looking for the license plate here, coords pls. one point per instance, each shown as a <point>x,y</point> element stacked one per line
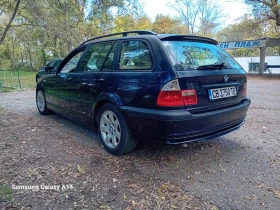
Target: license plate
<point>224,92</point>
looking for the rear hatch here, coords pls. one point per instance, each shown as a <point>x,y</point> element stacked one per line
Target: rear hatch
<point>218,80</point>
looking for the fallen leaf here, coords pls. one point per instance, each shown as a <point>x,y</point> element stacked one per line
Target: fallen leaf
<point>105,207</point>
<point>81,169</point>
<point>213,208</point>
<point>276,193</point>
<point>164,186</point>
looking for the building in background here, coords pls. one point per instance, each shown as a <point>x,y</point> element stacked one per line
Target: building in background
<point>252,64</point>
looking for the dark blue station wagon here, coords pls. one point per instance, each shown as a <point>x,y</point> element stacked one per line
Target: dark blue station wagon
<point>166,88</point>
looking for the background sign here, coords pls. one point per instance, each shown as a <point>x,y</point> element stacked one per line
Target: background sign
<point>242,44</point>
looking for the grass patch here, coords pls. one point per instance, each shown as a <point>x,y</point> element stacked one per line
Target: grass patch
<point>9,80</point>
<point>6,194</point>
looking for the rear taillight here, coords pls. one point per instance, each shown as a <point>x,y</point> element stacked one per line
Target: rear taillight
<point>244,91</point>
<point>189,97</point>
<point>172,95</point>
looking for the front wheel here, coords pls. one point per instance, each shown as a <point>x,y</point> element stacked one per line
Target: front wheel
<point>114,132</point>
<point>41,102</point>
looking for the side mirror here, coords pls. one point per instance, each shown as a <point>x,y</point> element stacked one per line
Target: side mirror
<point>49,69</point>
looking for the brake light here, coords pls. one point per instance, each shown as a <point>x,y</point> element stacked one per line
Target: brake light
<point>244,91</point>
<point>171,95</point>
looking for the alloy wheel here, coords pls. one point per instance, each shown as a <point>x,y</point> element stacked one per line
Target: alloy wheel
<point>110,129</point>
<point>41,101</point>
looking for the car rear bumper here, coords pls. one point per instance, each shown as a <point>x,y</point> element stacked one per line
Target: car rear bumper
<point>180,126</point>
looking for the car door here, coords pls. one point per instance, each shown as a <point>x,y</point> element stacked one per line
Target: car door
<point>138,77</point>
<point>57,85</point>
<point>91,79</point>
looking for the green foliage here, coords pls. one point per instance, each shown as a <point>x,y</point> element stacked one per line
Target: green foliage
<point>250,29</point>
<point>165,24</point>
<point>52,28</point>
<point>246,29</point>
<point>124,23</point>
<point>266,10</point>
<point>46,29</point>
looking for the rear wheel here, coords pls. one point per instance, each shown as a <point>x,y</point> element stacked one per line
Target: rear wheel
<point>114,132</point>
<point>41,102</point>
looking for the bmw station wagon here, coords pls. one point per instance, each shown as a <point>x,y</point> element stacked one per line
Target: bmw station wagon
<point>136,85</point>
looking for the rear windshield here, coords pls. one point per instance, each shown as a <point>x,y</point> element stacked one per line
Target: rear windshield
<point>187,55</point>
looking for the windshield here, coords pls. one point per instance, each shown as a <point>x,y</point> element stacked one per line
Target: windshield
<point>192,55</point>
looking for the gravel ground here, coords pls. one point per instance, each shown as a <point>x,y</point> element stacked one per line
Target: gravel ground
<point>237,171</point>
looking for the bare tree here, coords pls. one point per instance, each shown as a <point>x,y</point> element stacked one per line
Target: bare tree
<point>210,17</point>
<point>8,26</point>
<point>188,11</point>
<point>201,17</point>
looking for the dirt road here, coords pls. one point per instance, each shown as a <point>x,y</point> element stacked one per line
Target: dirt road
<point>240,170</point>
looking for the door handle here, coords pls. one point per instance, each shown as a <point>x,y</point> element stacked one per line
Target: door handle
<point>67,79</point>
<point>98,80</point>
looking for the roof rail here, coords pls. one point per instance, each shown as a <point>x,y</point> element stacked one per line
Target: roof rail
<point>139,32</point>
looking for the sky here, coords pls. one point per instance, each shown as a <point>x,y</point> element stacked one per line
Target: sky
<point>232,8</point>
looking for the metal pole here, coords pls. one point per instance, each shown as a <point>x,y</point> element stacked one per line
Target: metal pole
<point>12,78</point>
<point>5,78</point>
<point>262,60</point>
<point>19,80</point>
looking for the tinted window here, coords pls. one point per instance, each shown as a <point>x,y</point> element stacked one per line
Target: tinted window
<point>99,57</point>
<point>135,55</point>
<point>72,63</point>
<point>190,55</point>
<point>56,63</point>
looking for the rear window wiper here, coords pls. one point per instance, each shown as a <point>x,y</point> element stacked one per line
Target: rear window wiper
<point>215,66</point>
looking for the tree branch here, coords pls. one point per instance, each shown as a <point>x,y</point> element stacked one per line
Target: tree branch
<point>24,24</point>
<point>10,22</point>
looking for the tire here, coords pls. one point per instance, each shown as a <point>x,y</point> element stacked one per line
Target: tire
<point>41,102</point>
<point>114,132</point>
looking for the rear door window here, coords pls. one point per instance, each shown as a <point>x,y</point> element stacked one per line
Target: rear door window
<point>99,57</point>
<point>135,55</point>
<point>191,55</point>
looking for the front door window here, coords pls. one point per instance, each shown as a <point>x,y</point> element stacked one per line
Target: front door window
<point>71,65</point>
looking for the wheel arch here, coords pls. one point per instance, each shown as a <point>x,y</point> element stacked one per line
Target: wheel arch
<point>37,78</point>
<point>102,99</point>
<point>39,86</point>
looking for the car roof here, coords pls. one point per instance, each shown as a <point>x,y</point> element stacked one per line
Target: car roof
<point>145,33</point>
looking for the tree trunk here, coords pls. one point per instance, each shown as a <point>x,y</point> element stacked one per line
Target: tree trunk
<point>30,58</point>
